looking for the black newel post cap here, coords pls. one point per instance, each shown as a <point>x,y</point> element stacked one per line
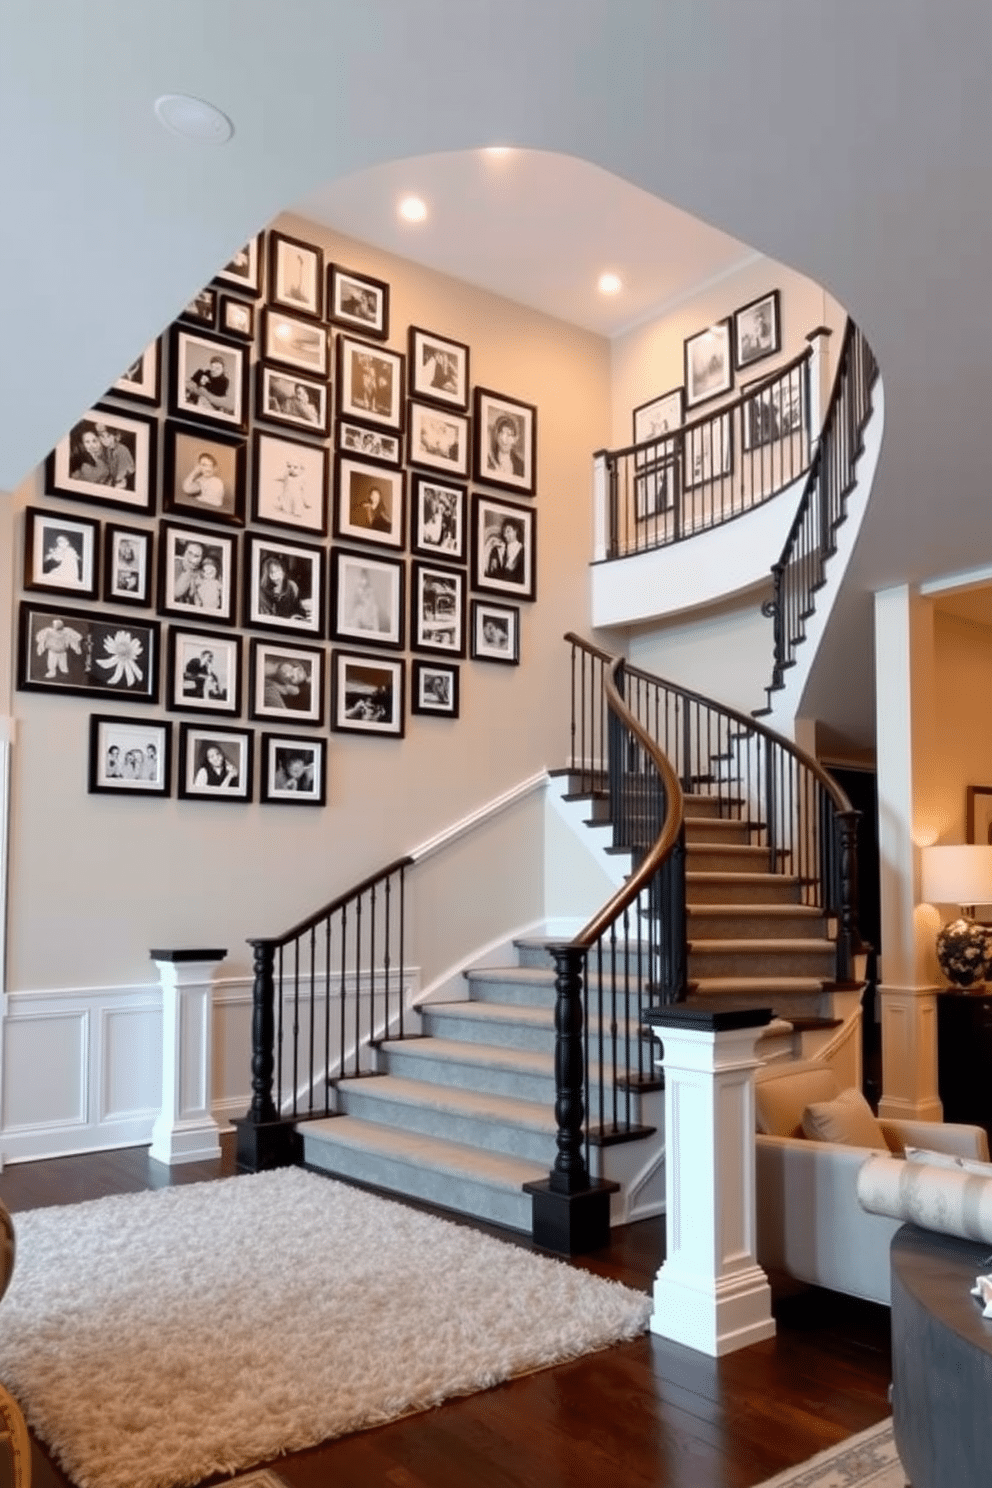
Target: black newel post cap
<point>188,955</point>
<point>709,1019</point>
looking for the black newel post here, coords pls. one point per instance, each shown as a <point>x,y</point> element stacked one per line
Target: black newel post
<point>849,937</point>
<point>772,610</point>
<point>571,1214</point>
<point>263,1140</point>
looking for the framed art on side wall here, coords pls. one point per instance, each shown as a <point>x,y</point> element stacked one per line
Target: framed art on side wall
<point>979,807</point>
<point>61,553</point>
<point>108,457</point>
<point>434,689</point>
<point>293,342</point>
<point>204,672</point>
<point>215,762</point>
<point>129,757</point>
<point>437,519</point>
<point>293,770</point>
<point>208,378</point>
<point>438,439</point>
<point>286,682</point>
<point>358,301</point>
<point>505,442</point>
<point>204,474</point>
<point>438,369</point>
<point>368,503</point>
<point>367,598</point>
<point>370,383</point>
<point>504,547</point>
<point>284,586</point>
<point>709,366</point>
<point>367,694</point>
<point>299,402</point>
<point>65,650</point>
<point>142,380</point>
<point>757,330</point>
<point>127,565</point>
<point>289,486</point>
<point>296,275</point>
<point>495,632</point>
<point>197,573</point>
<point>437,609</point>
<point>244,271</point>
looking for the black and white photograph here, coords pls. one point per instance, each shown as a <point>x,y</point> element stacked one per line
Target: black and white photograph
<point>284,587</point>
<point>197,574</point>
<point>63,650</point>
<point>709,366</point>
<point>142,380</point>
<point>658,417</point>
<point>774,410</point>
<point>757,330</point>
<point>289,484</point>
<point>438,369</point>
<point>495,632</point>
<point>438,439</point>
<point>369,444</point>
<point>296,275</point>
<point>367,694</point>
<point>215,762</point>
<point>504,547</point>
<point>208,378</point>
<point>286,682</point>
<point>294,400</point>
<point>61,553</point>
<point>368,503</point>
<point>358,301</point>
<point>437,609</point>
<point>236,317</point>
<point>204,474</point>
<point>293,342</point>
<point>107,457</point>
<point>127,565</point>
<point>367,597</point>
<point>656,481</point>
<point>370,383</point>
<point>709,451</point>
<point>129,756</point>
<point>203,672</point>
<point>437,519</point>
<point>434,688</point>
<point>244,272</point>
<point>293,770</point>
<point>505,442</point>
<point>202,310</point>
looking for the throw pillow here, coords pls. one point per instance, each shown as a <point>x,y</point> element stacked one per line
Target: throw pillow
<point>848,1119</point>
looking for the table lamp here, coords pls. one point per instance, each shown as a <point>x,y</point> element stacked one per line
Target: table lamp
<point>961,875</point>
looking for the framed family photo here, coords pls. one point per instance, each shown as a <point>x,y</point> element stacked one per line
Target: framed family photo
<point>208,378</point>
<point>368,503</point>
<point>286,682</point>
<point>367,694</point>
<point>284,587</point>
<point>709,366</point>
<point>202,310</point>
<point>709,451</point>
<point>71,651</point>
<point>142,380</point>
<point>505,442</point>
<point>438,369</point>
<point>290,483</point>
<point>370,383</point>
<point>369,444</point>
<point>215,762</point>
<point>437,519</point>
<point>979,812</point>
<point>367,597</point>
<point>656,482</point>
<point>127,565</point>
<point>504,547</point>
<point>437,609</point>
<point>129,756</point>
<point>236,317</point>
<point>358,301</point>
<point>61,554</point>
<point>108,457</point>
<point>434,689</point>
<point>293,342</point>
<point>296,275</point>
<point>299,402</point>
<point>244,272</point>
<point>197,573</point>
<point>658,417</point>
<point>495,632</point>
<point>294,770</point>
<point>203,474</point>
<point>204,672</point>
<point>774,409</point>
<point>757,330</point>
<point>438,439</point>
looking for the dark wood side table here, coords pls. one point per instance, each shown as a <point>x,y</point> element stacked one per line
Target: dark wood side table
<point>964,1055</point>
<point>941,1360</point>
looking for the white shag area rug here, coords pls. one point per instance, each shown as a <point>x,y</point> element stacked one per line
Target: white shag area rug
<point>868,1460</point>
<point>154,1339</point>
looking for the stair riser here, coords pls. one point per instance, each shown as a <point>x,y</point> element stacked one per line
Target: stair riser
<point>771,890</point>
<point>783,1005</point>
<point>502,1035</point>
<point>489,1079</point>
<point>704,963</point>
<point>746,924</point>
<point>717,830</point>
<point>719,859</point>
<point>488,988</point>
<point>488,1135</point>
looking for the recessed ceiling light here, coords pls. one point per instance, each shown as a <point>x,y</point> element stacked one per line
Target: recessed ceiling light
<point>193,119</point>
<point>412,209</point>
<point>498,150</point>
<point>610,284</point>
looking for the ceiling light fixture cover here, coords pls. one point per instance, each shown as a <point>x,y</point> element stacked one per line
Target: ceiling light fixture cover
<point>193,119</point>
<point>413,209</point>
<point>609,284</point>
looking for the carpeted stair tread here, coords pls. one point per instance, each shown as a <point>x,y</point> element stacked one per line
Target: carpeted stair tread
<point>730,876</point>
<point>779,911</point>
<point>745,945</point>
<point>420,1151</point>
<point>452,1100</point>
<point>759,985</point>
<point>493,1012</point>
<point>526,1060</point>
<point>537,976</point>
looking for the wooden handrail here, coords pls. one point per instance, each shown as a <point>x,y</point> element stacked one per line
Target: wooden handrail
<point>334,906</point>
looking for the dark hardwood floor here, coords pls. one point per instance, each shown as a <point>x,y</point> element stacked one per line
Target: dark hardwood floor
<point>646,1414</point>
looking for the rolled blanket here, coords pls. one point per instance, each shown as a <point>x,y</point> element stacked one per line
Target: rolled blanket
<point>949,1201</point>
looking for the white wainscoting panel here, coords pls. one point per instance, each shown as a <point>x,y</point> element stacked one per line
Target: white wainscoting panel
<point>131,1066</point>
<point>45,1082</point>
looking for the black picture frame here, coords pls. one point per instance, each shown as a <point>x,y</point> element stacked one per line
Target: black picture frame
<point>294,770</point>
<point>502,563</point>
<point>203,474</point>
<point>286,682</point>
<point>289,483</point>
<point>128,565</point>
<point>296,275</point>
<point>659,416</point>
<point>200,585</point>
<point>368,598</point>
<point>757,330</point>
<point>203,672</point>
<point>129,756</point>
<point>358,301</point>
<point>657,482</point>
<point>61,553</point>
<point>292,341</point>
<point>438,368</point>
<point>201,310</point>
<point>283,586</point>
<point>708,451</point>
<point>236,317</point>
<point>495,632</point>
<point>499,460</point>
<point>370,383</point>
<point>369,503</point>
<point>772,409</point>
<point>229,779</point>
<point>85,467</point>
<point>438,439</point>
<point>292,400</point>
<point>434,688</point>
<point>379,445</point>
<point>208,378</point>
<point>709,363</point>
<point>438,519</point>
<point>243,272</point>
<point>437,609</point>
<point>83,653</point>
<point>141,382</point>
<point>368,694</point>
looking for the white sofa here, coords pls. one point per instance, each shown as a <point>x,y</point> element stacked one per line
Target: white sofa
<point>810,1223</point>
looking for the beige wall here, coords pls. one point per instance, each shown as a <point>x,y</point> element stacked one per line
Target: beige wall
<point>96,881</point>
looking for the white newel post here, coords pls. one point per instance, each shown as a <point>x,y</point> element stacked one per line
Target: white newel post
<point>186,1130</point>
<point>710,1293</point>
<point>819,379</point>
<point>600,506</point>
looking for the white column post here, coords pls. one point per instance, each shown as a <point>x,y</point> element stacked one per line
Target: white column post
<point>710,1293</point>
<point>186,1131</point>
<point>600,506</point>
<point>819,379</point>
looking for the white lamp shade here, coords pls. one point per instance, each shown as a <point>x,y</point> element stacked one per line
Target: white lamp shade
<point>957,875</point>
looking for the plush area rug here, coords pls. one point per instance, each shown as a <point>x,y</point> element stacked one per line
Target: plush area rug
<point>154,1339</point>
<point>868,1460</point>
